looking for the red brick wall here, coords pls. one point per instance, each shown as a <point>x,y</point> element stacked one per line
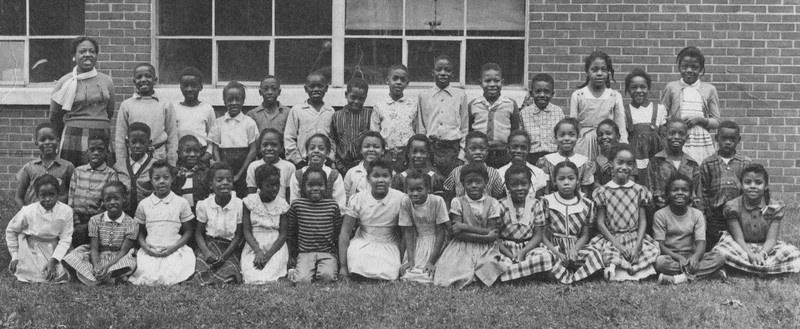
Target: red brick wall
<point>752,50</point>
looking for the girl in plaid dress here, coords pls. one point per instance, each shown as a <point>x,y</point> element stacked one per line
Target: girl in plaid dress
<point>569,219</point>
<point>566,132</point>
<point>628,252</point>
<point>109,256</point>
<point>607,139</point>
<point>754,221</point>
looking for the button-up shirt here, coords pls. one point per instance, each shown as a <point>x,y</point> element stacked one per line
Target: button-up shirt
<point>719,181</point>
<point>539,124</point>
<point>304,121</point>
<point>86,188</point>
<point>264,119</point>
<point>220,221</point>
<point>751,218</point>
<point>233,132</point>
<point>60,169</point>
<point>347,127</point>
<point>396,120</point>
<point>661,169</point>
<point>444,113</point>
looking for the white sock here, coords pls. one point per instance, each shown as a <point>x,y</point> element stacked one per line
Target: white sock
<point>680,278</point>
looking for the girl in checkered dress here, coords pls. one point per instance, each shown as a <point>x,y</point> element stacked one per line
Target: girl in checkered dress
<point>628,253</point>
<point>754,221</point>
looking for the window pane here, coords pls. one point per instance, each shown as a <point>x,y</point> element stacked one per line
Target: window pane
<point>243,60</point>
<point>374,17</point>
<point>175,55</point>
<point>496,18</point>
<point>243,17</point>
<point>370,59</point>
<point>184,17</point>
<point>50,59</point>
<point>435,17</point>
<point>421,55</point>
<point>11,61</point>
<point>57,17</point>
<point>12,17</point>
<point>295,59</point>
<point>307,17</point>
<point>510,54</point>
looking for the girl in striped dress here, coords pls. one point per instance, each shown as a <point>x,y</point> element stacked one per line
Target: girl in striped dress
<point>569,219</point>
<point>419,153</point>
<point>751,243</point>
<point>628,252</point>
<point>109,257</point>
<point>694,101</point>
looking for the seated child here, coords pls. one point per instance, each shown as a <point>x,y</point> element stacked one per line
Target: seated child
<point>307,119</point>
<point>86,187</point>
<point>46,139</point>
<point>642,118</point>
<point>566,132</point>
<point>419,160</point>
<point>271,114</point>
<point>680,231</point>
<point>539,117</point>
<point>270,143</point>
<point>133,172</point>
<point>518,145</point>
<point>164,229</point>
<point>349,124</point>
<point>314,223</point>
<point>264,257</point>
<point>423,220</point>
<point>318,147</point>
<point>233,137</point>
<point>39,236</point>
<point>108,259</point>
<point>192,116</point>
<point>628,252</point>
<point>190,180</point>
<point>607,140</point>
<point>372,147</point>
<point>477,145</point>
<point>158,114</point>
<point>494,115</point>
<point>396,116</point>
<point>474,223</point>
<point>374,252</point>
<point>219,231</point>
<point>754,222</point>
<point>670,161</point>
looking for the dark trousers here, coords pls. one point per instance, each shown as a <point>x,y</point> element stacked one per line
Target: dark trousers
<point>80,234</point>
<point>715,226</point>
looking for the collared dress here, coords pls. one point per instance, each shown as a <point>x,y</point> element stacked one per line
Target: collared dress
<point>585,168</point>
<point>221,225</point>
<point>111,233</point>
<point>374,252</point>
<point>517,230</point>
<point>265,219</point>
<point>34,236</point>
<point>424,218</point>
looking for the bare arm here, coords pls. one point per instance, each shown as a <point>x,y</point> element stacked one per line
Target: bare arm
<point>344,242</point>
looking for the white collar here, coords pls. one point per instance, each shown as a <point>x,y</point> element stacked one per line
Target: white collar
<point>109,220</point>
<point>577,158</point>
<point>613,184</point>
<point>141,161</point>
<point>166,200</point>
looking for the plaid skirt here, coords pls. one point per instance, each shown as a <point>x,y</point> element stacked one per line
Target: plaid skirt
<point>536,261</point>
<point>612,255</point>
<point>80,261</point>
<point>228,272</point>
<point>783,258</point>
<point>589,258</point>
<point>75,143</point>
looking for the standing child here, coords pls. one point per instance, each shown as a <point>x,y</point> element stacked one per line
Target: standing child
<point>307,119</point>
<point>265,256</point>
<point>594,101</point>
<point>719,180</point>
<point>423,220</point>
<point>271,144</point>
<point>570,219</point>
<point>133,172</point>
<point>318,147</point>
<point>349,124</point>
<point>192,116</point>
<point>109,256</point>
<point>395,117</point>
<point>444,117</point>
<point>157,113</point>
<point>754,222</point>
<point>628,252</point>
<point>566,132</point>
<point>680,231</point>
<point>46,139</point>
<point>233,137</point>
<point>39,235</point>
<point>314,224</point>
<point>693,101</point>
<point>493,114</point>
<point>219,230</point>
<point>477,145</point>
<point>86,186</point>
<point>522,228</point>
<point>538,118</point>
<point>163,257</point>
<point>607,140</point>
<point>190,180</point>
<point>271,114</point>
<point>642,118</point>
<point>374,252</point>
<point>372,148</point>
<point>474,223</point>
<point>519,143</point>
<point>419,155</point>
<point>670,161</point>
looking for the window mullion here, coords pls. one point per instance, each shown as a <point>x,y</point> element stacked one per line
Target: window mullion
<point>27,50</point>
<point>214,48</point>
<point>337,43</point>
<point>271,60</point>
<point>462,69</point>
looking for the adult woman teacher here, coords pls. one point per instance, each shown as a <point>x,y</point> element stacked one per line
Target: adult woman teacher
<point>82,103</point>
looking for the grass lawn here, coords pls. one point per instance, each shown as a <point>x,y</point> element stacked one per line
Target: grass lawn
<point>742,302</point>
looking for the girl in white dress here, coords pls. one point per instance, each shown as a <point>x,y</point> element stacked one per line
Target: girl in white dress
<point>423,219</point>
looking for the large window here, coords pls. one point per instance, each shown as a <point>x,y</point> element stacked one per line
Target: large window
<point>35,39</point>
<point>245,40</point>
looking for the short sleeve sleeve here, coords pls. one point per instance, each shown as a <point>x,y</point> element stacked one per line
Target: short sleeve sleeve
<point>699,226</point>
<point>539,215</point>
<point>778,215</point>
<point>186,211</point>
<point>202,213</point>
<point>141,213</point>
<point>455,207</point>
<point>591,216</point>
<point>599,197</point>
<point>731,210</point>
<point>252,131</point>
<point>240,211</point>
<point>132,231</point>
<point>495,210</point>
<point>440,210</point>
<point>215,135</point>
<point>660,226</point>
<point>588,173</point>
<point>645,197</point>
<point>354,208</point>
<point>94,226</point>
<point>406,212</point>
<point>251,174</point>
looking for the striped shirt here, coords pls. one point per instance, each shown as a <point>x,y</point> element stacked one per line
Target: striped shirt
<point>719,181</point>
<point>86,188</point>
<point>60,169</point>
<point>347,127</point>
<point>313,226</point>
<point>494,187</point>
